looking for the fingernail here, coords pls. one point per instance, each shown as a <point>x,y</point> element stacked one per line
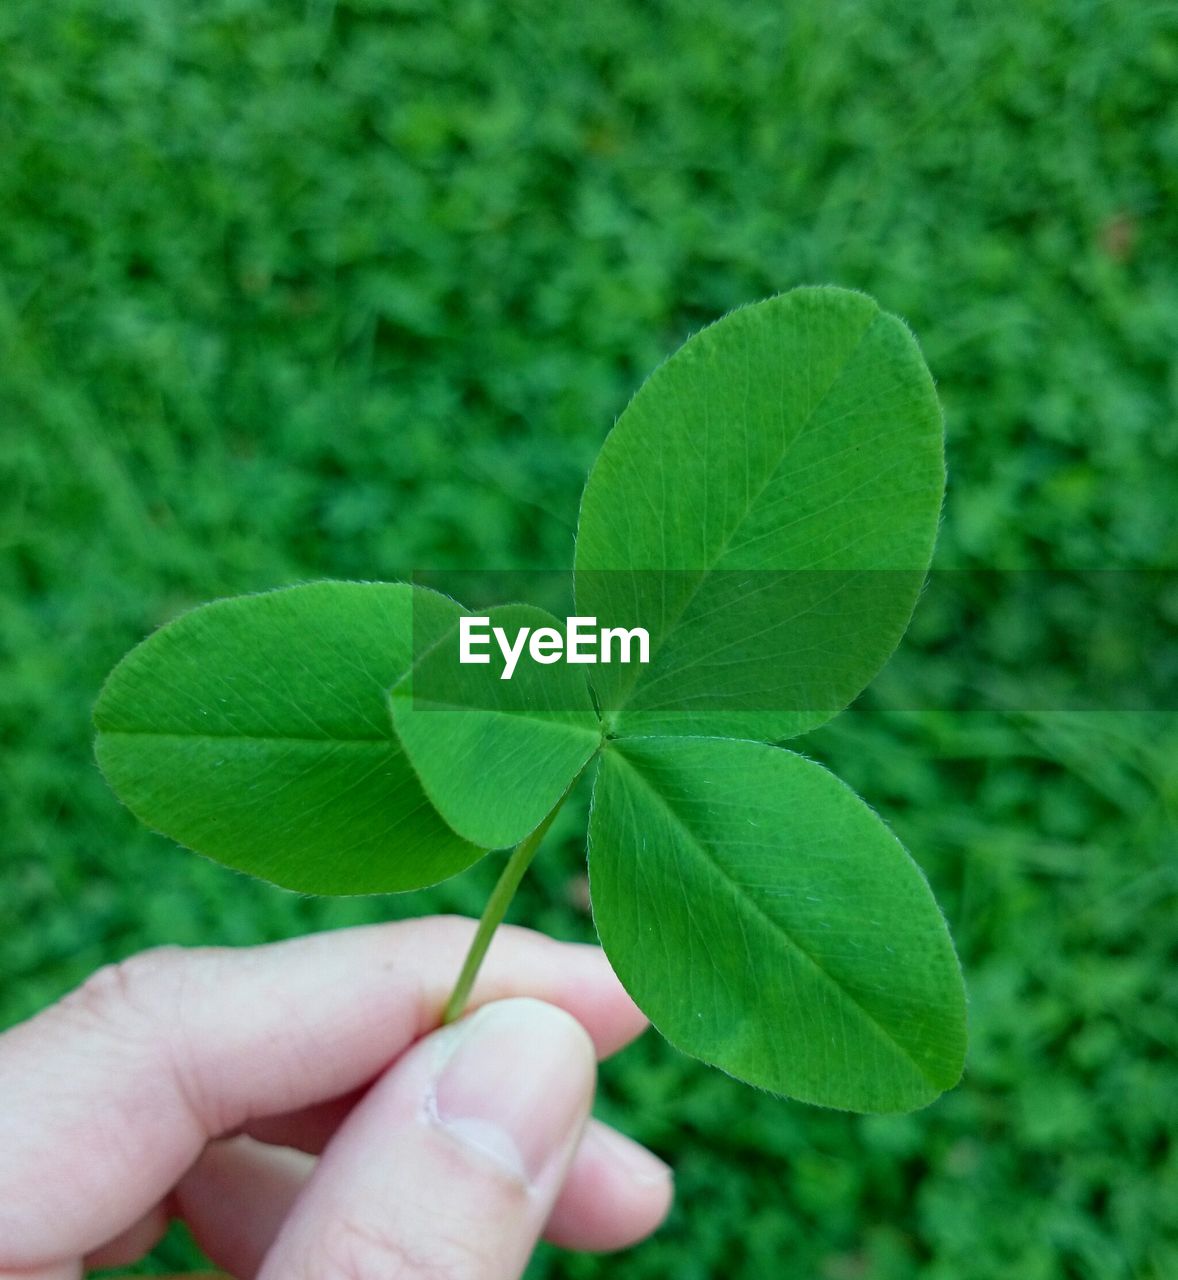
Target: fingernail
<point>514,1081</point>
<point>640,1165</point>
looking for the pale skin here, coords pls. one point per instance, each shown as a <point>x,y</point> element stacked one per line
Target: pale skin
<point>299,1106</point>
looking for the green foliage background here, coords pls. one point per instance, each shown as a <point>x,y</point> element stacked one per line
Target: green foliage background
<point>291,290</point>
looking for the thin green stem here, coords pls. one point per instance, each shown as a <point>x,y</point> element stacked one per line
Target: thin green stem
<point>495,910</point>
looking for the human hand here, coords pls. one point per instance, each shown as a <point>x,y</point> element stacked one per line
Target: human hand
<point>177,1084</point>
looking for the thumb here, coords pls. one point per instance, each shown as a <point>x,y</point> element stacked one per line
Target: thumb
<point>452,1163</point>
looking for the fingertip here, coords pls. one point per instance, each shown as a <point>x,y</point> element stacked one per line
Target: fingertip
<point>616,1194</point>
<point>588,987</point>
<point>518,1075</point>
<point>131,1245</point>
<point>455,1156</point>
<point>612,1017</point>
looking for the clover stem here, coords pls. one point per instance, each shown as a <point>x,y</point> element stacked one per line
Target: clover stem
<point>495,910</point>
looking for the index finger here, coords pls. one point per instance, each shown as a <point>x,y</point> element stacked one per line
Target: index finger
<point>109,1096</point>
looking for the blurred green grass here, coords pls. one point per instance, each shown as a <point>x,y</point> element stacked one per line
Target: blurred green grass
<point>291,290</point>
